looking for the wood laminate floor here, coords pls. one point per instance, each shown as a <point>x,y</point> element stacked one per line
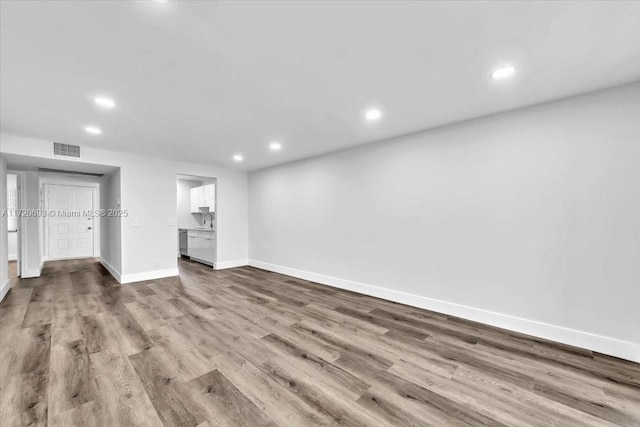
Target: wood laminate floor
<point>246,347</point>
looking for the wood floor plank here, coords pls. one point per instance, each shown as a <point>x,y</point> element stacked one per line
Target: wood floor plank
<point>152,312</point>
<point>38,313</point>
<point>85,415</point>
<point>342,381</point>
<point>66,326</point>
<point>168,395</point>
<point>125,334</point>
<point>71,382</point>
<point>491,397</point>
<point>339,409</point>
<point>225,404</point>
<point>277,402</point>
<point>11,317</point>
<point>244,346</point>
<point>93,333</point>
<point>122,399</point>
<point>185,359</point>
<point>391,414</point>
<point>24,392</point>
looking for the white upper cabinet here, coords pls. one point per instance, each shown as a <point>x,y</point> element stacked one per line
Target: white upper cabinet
<point>210,197</point>
<point>201,201</point>
<point>194,200</point>
<point>203,197</point>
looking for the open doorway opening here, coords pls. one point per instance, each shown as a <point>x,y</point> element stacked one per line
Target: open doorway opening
<point>196,217</point>
<point>56,211</point>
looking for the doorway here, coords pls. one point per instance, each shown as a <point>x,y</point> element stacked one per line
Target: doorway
<point>70,231</point>
<point>196,219</point>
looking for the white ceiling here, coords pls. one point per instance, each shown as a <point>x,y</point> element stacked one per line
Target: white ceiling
<point>200,81</point>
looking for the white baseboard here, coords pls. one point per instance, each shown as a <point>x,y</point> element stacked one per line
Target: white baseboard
<point>148,275</point>
<point>69,257</point>
<point>30,273</point>
<point>111,269</point>
<point>13,257</point>
<point>4,290</point>
<point>601,344</point>
<point>230,264</point>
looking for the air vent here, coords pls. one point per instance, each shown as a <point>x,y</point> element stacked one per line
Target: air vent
<point>68,172</point>
<point>66,150</point>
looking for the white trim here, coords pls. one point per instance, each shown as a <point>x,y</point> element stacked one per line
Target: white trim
<point>148,275</point>
<point>21,240</point>
<point>13,257</point>
<point>29,274</point>
<point>606,345</point>
<point>111,269</point>
<point>230,264</point>
<point>5,289</point>
<point>69,258</point>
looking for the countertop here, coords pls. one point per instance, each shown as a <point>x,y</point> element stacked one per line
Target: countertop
<point>197,229</point>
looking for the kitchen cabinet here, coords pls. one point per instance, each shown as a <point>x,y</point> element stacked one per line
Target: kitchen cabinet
<point>203,196</point>
<point>208,197</point>
<point>202,246</point>
<point>194,200</point>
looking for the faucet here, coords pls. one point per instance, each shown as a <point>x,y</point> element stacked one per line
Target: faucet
<point>210,215</point>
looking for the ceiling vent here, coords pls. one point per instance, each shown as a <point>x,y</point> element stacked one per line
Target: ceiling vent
<point>66,150</point>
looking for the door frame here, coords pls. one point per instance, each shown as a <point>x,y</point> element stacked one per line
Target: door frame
<point>20,202</point>
<point>95,228</point>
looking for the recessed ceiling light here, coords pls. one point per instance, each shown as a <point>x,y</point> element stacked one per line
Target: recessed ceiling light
<point>238,157</point>
<point>504,72</point>
<point>93,130</point>
<point>275,146</point>
<point>104,102</point>
<point>373,114</point>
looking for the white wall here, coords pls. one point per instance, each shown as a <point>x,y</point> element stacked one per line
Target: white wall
<point>4,265</point>
<point>111,230</point>
<point>528,220</point>
<point>12,245</point>
<point>148,194</point>
<point>32,226</point>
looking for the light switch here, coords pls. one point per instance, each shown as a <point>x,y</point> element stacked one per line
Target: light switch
<point>135,223</point>
<point>172,222</point>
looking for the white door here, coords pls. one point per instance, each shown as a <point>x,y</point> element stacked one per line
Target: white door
<point>71,229</point>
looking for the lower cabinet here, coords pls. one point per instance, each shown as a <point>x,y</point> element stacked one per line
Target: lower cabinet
<point>202,246</point>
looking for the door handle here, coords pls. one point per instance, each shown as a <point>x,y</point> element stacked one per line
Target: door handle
<point>88,228</point>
